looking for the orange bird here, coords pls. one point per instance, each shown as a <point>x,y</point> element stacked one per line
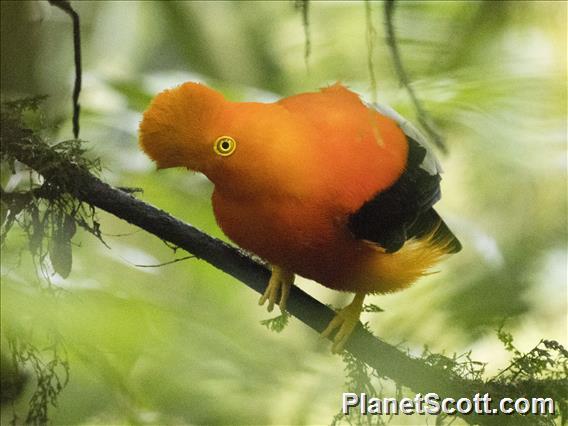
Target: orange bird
<point>318,184</point>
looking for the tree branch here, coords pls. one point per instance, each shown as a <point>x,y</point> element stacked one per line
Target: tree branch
<point>304,7</point>
<point>386,359</point>
<point>421,113</point>
<point>66,7</point>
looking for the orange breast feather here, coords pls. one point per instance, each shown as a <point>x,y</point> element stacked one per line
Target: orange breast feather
<point>350,153</point>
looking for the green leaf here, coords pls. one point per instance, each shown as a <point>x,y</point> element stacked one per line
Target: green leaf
<point>60,252</point>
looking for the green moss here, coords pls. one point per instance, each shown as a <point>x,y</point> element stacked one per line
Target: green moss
<point>278,323</point>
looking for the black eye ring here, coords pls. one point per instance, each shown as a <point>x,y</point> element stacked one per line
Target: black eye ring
<point>225,146</point>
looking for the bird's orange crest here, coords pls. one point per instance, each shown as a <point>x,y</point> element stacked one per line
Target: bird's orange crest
<point>178,123</point>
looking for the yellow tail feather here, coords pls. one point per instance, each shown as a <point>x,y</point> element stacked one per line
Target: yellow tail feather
<point>395,271</point>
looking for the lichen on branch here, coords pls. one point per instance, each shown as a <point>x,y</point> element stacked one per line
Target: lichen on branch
<point>45,209</point>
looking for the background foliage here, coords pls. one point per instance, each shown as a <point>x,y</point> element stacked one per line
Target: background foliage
<point>182,343</point>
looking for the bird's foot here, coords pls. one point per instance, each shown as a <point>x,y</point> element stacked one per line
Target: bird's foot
<point>345,320</point>
<point>280,282</point>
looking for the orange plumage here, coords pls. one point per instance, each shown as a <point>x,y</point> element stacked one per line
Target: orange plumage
<point>298,170</point>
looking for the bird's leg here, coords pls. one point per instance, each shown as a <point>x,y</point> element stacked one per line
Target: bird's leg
<point>280,282</point>
<point>346,320</point>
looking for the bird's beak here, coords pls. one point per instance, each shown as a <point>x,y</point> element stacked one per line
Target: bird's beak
<point>165,166</point>
<point>167,163</point>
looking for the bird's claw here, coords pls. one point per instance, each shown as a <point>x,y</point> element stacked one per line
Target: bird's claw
<point>345,320</point>
<point>280,282</point>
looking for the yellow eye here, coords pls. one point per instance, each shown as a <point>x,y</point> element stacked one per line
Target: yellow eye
<point>225,146</point>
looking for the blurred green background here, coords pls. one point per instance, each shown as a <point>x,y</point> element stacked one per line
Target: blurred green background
<point>182,344</point>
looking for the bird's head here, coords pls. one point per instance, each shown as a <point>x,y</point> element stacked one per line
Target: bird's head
<point>235,144</point>
<point>177,129</point>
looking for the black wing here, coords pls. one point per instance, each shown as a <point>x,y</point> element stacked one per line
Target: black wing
<point>404,210</point>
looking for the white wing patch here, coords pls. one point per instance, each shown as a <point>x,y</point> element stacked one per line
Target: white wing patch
<point>430,162</point>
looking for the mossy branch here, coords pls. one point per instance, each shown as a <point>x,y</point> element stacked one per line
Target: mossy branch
<point>420,375</point>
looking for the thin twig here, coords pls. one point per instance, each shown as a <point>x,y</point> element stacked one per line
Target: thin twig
<point>66,7</point>
<point>423,117</point>
<point>165,263</point>
<point>304,7</point>
<point>371,35</point>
